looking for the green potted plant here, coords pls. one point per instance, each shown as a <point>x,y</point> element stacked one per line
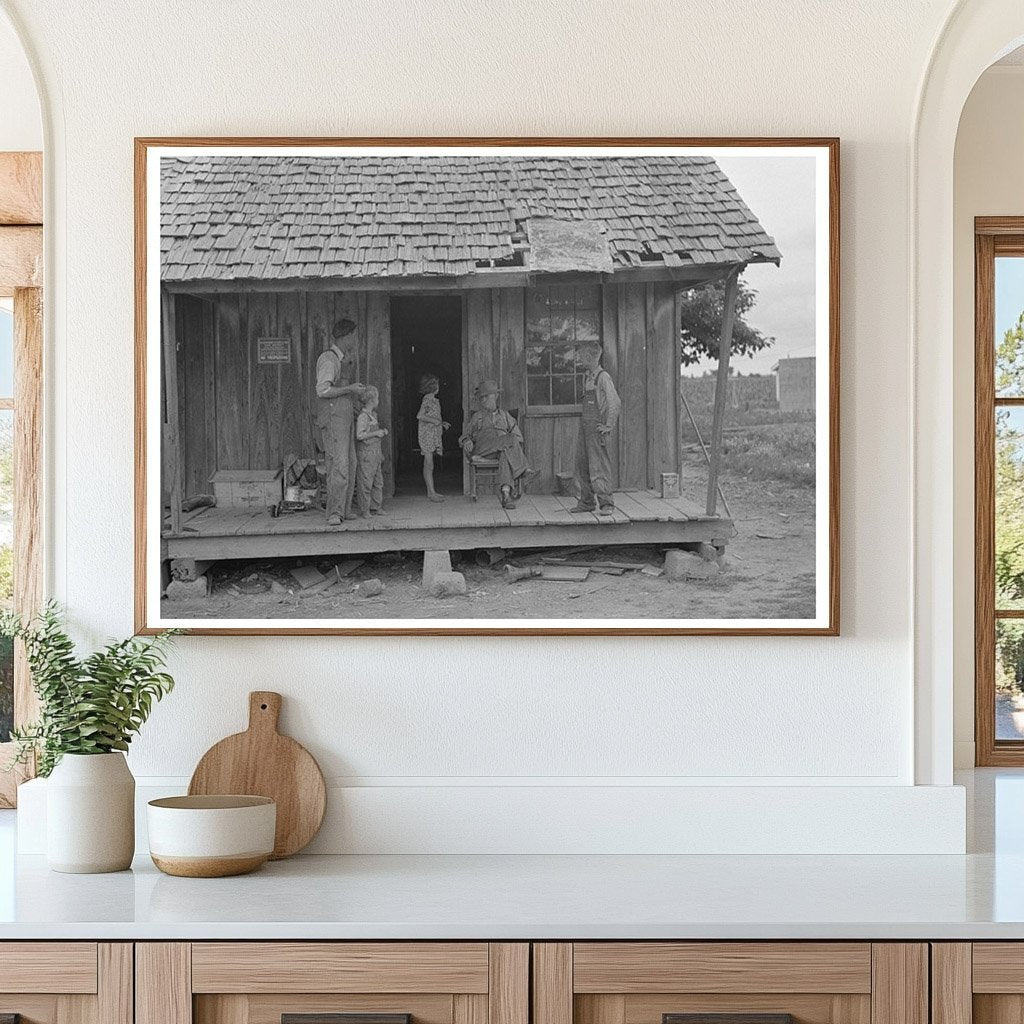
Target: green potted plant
<point>90,708</point>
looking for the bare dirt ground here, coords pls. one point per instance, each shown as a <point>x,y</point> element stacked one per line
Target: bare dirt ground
<point>769,574</point>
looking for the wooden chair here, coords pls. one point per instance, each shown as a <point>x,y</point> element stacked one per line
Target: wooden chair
<point>485,466</point>
<point>481,466</point>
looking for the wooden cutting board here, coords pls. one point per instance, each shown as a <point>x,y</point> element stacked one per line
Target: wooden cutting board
<point>262,762</point>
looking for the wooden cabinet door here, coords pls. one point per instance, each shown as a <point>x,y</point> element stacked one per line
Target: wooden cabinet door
<point>730,983</point>
<point>978,983</point>
<point>332,983</point>
<point>66,982</point>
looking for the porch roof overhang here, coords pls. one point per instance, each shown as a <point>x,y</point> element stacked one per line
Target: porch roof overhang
<point>498,277</point>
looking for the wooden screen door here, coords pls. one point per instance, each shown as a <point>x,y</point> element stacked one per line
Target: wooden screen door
<point>21,249</point>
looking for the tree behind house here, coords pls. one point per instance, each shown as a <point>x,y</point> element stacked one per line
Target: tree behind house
<point>701,312</point>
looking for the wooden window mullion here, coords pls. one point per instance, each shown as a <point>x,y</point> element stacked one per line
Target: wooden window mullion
<point>984,501</point>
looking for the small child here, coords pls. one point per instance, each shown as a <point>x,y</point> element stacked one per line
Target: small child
<point>369,457</point>
<point>431,427</point>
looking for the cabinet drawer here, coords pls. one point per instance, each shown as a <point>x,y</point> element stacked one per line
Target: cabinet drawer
<point>981,982</point>
<point>66,982</point>
<point>332,983</point>
<point>65,967</point>
<point>340,967</point>
<point>634,967</point>
<point>998,968</point>
<point>730,983</point>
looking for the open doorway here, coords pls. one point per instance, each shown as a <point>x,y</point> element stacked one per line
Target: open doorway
<point>989,302</point>
<point>426,338</point>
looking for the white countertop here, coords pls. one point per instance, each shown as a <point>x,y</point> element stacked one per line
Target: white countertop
<point>516,897</point>
<point>977,896</point>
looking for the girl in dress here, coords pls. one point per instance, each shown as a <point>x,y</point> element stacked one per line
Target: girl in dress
<point>431,428</point>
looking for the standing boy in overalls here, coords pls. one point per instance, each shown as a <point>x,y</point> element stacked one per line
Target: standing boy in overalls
<point>600,413</point>
<point>335,416</point>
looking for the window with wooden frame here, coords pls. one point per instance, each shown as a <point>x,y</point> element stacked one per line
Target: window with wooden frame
<point>558,318</point>
<point>999,490</point>
<point>21,367</point>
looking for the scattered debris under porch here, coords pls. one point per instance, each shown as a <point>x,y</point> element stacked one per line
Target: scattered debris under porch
<point>410,584</point>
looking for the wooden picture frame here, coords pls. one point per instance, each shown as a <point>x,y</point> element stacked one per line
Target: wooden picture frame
<point>160,314</point>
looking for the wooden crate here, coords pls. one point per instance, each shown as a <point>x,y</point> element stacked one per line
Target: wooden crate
<point>247,488</point>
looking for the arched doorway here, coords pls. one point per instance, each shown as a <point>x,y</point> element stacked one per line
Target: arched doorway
<point>21,249</point>
<point>976,34</point>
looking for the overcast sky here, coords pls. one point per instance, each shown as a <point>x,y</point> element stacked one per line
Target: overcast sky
<point>780,192</point>
<point>1009,293</point>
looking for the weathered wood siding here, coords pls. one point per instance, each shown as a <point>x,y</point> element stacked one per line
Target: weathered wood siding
<point>236,413</point>
<point>496,345</point>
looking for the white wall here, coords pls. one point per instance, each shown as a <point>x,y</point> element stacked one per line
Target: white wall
<point>21,126</point>
<point>428,716</point>
<point>987,181</point>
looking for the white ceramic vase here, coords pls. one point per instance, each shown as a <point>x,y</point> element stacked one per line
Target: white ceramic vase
<point>90,814</point>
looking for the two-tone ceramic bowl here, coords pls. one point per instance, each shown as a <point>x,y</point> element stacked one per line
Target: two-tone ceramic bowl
<point>211,836</point>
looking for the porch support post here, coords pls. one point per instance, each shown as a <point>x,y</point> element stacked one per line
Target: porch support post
<point>172,431</point>
<point>722,387</point>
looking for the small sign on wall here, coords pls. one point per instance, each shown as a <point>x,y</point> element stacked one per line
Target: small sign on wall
<point>274,350</point>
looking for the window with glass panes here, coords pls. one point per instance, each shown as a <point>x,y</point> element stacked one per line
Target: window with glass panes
<point>558,318</point>
<point>999,491</point>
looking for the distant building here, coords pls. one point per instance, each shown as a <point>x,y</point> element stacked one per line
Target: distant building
<point>795,384</point>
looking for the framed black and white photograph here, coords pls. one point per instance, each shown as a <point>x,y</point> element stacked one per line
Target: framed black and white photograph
<point>487,386</point>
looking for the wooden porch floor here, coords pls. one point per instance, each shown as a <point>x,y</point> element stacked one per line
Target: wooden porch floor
<point>413,523</point>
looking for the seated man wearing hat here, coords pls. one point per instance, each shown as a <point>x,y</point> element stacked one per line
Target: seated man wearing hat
<point>493,432</point>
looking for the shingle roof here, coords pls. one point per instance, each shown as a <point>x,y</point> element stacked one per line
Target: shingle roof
<point>278,217</point>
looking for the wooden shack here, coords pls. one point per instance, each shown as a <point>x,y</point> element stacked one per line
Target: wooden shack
<point>470,267</point>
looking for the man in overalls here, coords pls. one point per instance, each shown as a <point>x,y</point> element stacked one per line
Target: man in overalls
<point>600,413</point>
<point>335,416</point>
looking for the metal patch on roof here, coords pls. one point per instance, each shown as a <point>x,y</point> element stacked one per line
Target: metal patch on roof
<point>559,246</point>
